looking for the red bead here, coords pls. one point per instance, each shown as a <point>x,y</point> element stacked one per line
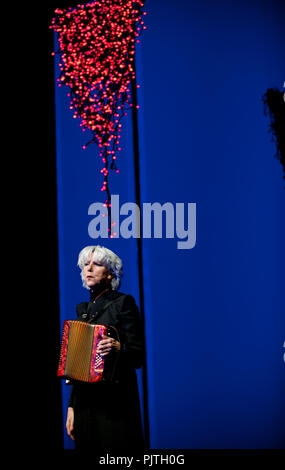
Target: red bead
<point>95,55</point>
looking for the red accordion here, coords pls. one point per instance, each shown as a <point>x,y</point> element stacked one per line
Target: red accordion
<point>79,359</point>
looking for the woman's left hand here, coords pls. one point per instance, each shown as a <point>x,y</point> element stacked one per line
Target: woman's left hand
<point>108,344</point>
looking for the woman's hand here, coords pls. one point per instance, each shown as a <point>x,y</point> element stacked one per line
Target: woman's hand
<point>70,422</point>
<point>108,344</point>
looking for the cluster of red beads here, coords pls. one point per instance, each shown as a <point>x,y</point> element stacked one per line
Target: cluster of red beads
<point>97,47</point>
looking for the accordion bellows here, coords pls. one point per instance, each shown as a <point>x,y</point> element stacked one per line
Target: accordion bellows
<point>79,359</point>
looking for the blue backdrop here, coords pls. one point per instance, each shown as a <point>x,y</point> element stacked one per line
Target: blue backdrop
<point>214,314</point>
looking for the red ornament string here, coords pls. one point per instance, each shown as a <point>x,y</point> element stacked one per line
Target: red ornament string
<point>97,44</point>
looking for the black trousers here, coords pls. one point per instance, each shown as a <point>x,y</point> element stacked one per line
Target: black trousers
<point>107,419</point>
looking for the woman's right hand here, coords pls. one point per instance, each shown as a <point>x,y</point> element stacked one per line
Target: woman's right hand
<point>70,422</point>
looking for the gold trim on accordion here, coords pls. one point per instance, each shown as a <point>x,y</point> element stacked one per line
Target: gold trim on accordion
<point>79,359</point>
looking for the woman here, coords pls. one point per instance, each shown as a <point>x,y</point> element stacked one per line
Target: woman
<point>106,416</point>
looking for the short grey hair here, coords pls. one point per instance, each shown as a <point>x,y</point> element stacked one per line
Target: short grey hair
<point>105,256</point>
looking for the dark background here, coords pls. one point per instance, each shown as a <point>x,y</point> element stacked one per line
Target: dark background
<point>214,315</point>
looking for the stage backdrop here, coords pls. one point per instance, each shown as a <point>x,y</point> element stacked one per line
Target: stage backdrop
<point>214,313</point>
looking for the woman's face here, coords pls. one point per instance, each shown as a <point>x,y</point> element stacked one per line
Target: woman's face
<point>95,273</point>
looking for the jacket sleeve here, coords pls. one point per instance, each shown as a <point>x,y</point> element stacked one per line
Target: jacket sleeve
<point>71,397</point>
<point>132,334</point>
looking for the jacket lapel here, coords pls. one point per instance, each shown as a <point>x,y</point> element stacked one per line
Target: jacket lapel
<point>94,312</point>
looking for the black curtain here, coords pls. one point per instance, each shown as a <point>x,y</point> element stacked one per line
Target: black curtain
<point>51,300</point>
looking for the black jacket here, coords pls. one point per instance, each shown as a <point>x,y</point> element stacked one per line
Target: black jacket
<point>107,415</point>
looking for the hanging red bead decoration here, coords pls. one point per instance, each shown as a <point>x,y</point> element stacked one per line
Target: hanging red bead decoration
<point>97,47</point>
